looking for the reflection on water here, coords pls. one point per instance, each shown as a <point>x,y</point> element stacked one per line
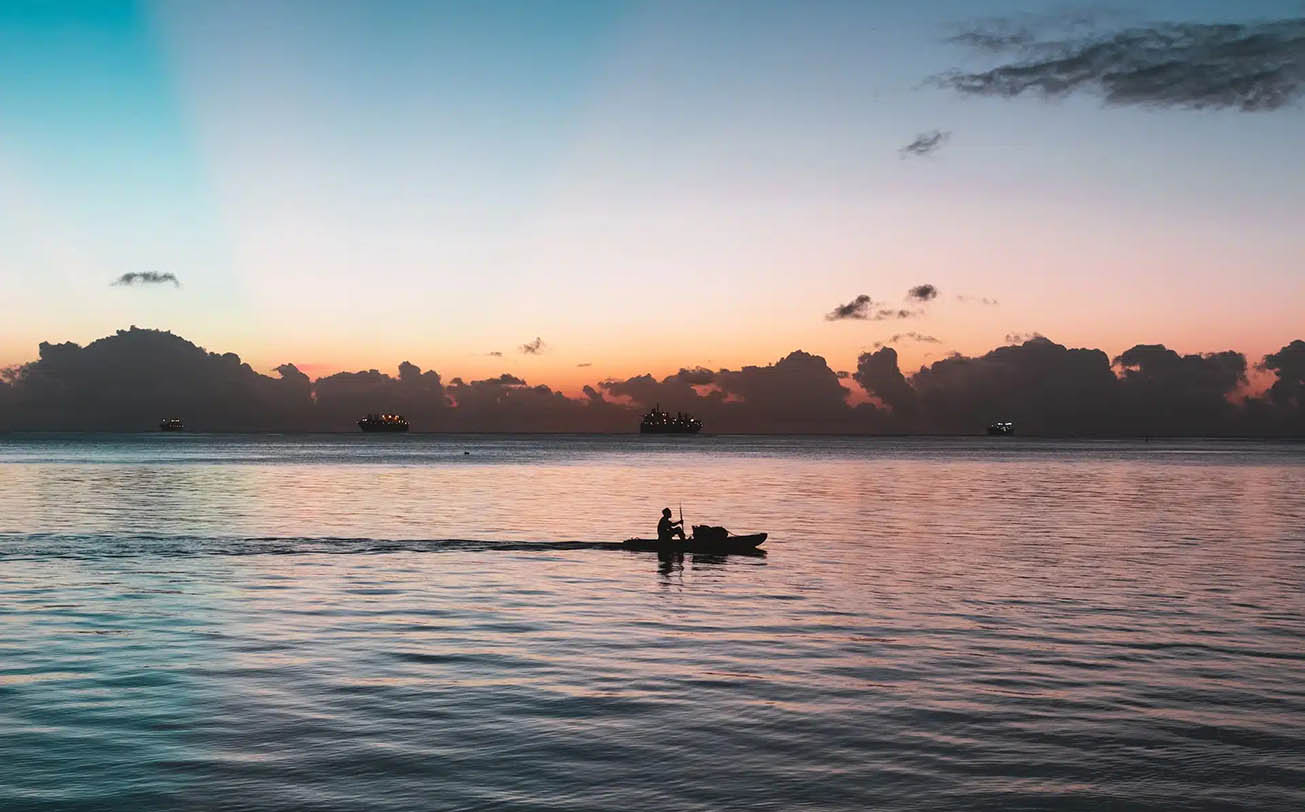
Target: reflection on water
<point>336,623</point>
<point>669,564</point>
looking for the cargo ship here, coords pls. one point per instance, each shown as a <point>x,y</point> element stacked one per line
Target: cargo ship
<point>383,422</point>
<point>1001,428</point>
<point>172,424</point>
<point>659,422</point>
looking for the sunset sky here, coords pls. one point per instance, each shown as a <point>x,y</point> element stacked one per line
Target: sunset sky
<point>641,186</point>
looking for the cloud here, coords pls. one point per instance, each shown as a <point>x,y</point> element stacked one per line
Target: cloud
<point>1046,388</point>
<point>878,374</point>
<point>585,364</point>
<point>147,278</point>
<point>1161,391</point>
<point>1020,338</point>
<point>698,376</point>
<point>645,390</point>
<point>983,300</point>
<point>1252,67</point>
<point>863,308</point>
<point>130,380</point>
<point>922,293</point>
<point>925,143</point>
<point>999,37</point>
<point>342,398</point>
<point>909,336</point>
<point>887,313</point>
<point>858,308</point>
<point>533,347</point>
<point>508,403</point>
<point>798,393</point>
<point>1028,30</point>
<point>1289,364</point>
<point>494,354</point>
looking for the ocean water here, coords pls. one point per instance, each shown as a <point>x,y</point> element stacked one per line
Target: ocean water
<point>442,622</point>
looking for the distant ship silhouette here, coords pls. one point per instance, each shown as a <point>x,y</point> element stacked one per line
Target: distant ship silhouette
<point>659,422</point>
<point>1001,428</point>
<point>171,424</point>
<point>383,422</point>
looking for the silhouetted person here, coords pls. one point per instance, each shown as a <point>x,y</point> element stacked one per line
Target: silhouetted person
<point>667,529</point>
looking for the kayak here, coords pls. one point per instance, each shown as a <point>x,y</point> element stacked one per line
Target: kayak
<point>743,545</point>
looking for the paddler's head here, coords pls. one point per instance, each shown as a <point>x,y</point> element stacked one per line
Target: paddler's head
<point>666,512</point>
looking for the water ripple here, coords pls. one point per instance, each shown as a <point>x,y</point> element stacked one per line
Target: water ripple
<point>241,624</point>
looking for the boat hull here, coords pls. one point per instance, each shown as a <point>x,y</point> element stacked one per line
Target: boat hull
<point>735,545</point>
<point>383,429</point>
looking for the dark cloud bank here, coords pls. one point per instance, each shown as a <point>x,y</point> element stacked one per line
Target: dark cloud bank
<point>130,380</point>
<point>1253,67</point>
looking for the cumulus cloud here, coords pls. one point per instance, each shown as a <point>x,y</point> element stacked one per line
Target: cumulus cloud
<point>645,390</point>
<point>878,374</point>
<point>698,376</point>
<point>798,393</point>
<point>1289,364</point>
<point>147,278</point>
<point>925,143</point>
<point>533,347</point>
<point>342,398</point>
<point>983,300</point>
<point>130,380</point>
<point>922,293</point>
<point>1161,390</point>
<point>508,403</point>
<point>1047,388</point>
<point>1020,338</point>
<point>908,336</point>
<point>1253,67</point>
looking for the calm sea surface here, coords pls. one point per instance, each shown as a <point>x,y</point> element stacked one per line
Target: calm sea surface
<point>434,622</point>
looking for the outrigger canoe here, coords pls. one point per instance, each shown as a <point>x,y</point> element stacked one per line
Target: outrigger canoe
<point>743,545</point>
